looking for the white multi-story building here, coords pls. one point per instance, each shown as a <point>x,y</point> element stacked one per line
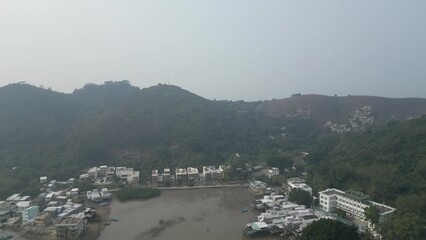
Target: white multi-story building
<point>43,179</point>
<point>102,171</point>
<point>193,173</point>
<point>92,173</point>
<point>273,171</point>
<point>216,173</point>
<point>353,203</point>
<point>154,175</point>
<point>181,174</point>
<point>299,184</point>
<point>105,194</point>
<point>207,173</point>
<point>74,192</point>
<point>166,174</point>
<point>127,175</point>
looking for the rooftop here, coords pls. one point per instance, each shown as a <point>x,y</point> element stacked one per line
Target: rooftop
<point>23,204</point>
<point>383,209</point>
<point>332,191</point>
<point>192,170</point>
<point>4,212</point>
<point>70,220</point>
<point>14,197</point>
<point>259,225</point>
<point>357,196</point>
<point>180,171</point>
<point>295,180</point>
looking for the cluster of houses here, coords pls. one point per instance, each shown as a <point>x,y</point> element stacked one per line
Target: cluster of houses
<point>104,175</point>
<point>189,173</point>
<point>279,216</point>
<point>359,120</point>
<point>98,196</point>
<point>67,216</point>
<point>284,217</point>
<point>54,206</point>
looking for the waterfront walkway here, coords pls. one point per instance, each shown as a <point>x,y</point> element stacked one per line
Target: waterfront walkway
<point>236,185</point>
<point>205,186</point>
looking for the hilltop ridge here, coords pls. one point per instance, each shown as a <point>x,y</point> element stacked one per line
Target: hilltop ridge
<point>164,125</point>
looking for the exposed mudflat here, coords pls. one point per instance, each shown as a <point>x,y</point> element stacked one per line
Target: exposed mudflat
<point>207,214</point>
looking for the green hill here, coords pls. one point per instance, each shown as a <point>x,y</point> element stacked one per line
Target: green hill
<point>46,132</point>
<point>43,132</point>
<point>388,163</point>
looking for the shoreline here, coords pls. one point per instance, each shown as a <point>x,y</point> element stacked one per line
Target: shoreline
<point>94,229</point>
<point>205,187</point>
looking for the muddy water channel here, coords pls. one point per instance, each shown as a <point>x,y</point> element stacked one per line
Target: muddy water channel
<point>207,214</point>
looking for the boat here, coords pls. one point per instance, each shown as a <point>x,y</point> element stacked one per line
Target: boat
<point>244,210</point>
<point>115,219</point>
<point>256,229</point>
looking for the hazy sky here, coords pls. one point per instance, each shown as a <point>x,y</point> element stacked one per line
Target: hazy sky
<point>223,49</point>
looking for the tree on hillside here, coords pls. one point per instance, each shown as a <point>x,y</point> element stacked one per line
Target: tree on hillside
<point>372,214</point>
<point>281,161</point>
<point>404,226</point>
<point>327,229</point>
<point>300,196</point>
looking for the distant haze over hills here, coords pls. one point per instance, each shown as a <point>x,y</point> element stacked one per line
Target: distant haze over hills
<point>320,107</point>
<point>338,108</point>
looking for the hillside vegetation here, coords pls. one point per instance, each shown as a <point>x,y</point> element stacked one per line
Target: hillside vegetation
<point>43,132</point>
<point>388,163</point>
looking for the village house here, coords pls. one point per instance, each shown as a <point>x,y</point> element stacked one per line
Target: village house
<point>193,173</point>
<point>216,173</point>
<point>181,174</point>
<point>70,228</point>
<point>207,174</point>
<point>92,174</point>
<point>166,174</point>
<point>154,176</point>
<point>43,219</point>
<point>43,179</point>
<point>127,175</point>
<point>29,214</point>
<point>273,171</point>
<point>298,183</point>
<point>102,171</point>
